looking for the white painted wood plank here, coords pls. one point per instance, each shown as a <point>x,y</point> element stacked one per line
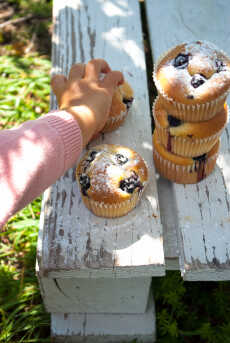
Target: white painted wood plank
<point>203,210</point>
<point>127,295</point>
<point>168,212</point>
<point>75,243</point>
<point>103,328</point>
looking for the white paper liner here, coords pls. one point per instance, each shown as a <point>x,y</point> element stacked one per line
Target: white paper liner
<point>179,173</point>
<point>186,112</point>
<point>102,209</point>
<point>195,113</point>
<point>114,121</point>
<point>185,146</point>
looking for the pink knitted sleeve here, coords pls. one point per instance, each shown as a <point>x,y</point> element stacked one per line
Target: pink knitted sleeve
<point>33,156</point>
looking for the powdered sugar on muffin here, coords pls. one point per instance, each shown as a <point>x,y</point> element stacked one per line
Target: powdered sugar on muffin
<point>198,70</point>
<point>111,177</point>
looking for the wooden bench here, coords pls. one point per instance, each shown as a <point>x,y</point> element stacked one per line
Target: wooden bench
<point>95,274</point>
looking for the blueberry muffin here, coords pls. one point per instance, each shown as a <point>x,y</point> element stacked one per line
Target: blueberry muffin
<point>121,104</point>
<point>194,80</point>
<point>184,170</point>
<point>112,179</point>
<point>185,138</point>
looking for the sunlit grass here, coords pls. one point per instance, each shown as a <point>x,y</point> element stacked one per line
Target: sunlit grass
<point>23,318</point>
<point>24,89</point>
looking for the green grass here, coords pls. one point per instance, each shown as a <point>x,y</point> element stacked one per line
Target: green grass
<point>189,312</point>
<point>24,95</point>
<point>24,89</point>
<point>23,318</point>
<point>40,8</point>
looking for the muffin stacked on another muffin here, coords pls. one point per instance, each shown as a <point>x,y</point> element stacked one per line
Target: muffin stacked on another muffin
<point>193,81</point>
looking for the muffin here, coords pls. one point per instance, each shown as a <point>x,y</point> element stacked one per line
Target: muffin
<point>193,80</point>
<point>121,103</point>
<point>186,138</point>
<point>112,179</point>
<point>184,170</point>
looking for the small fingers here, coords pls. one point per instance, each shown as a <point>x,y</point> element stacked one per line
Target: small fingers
<point>112,80</point>
<point>77,72</point>
<point>58,83</point>
<point>95,67</point>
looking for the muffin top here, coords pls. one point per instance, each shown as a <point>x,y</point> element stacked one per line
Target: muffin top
<point>111,173</point>
<point>193,73</point>
<point>177,127</point>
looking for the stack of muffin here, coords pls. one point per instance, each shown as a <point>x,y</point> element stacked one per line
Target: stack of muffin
<point>190,112</point>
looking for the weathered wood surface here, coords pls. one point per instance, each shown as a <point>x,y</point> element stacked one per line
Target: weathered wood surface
<point>169,222</point>
<point>202,211</point>
<point>103,328</point>
<point>96,296</point>
<point>72,241</point>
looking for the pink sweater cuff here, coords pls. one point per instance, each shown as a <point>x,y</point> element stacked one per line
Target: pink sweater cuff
<point>68,130</point>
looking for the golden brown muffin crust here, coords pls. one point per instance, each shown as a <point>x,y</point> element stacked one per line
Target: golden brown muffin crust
<point>193,73</point>
<point>126,90</point>
<point>117,106</point>
<point>111,165</point>
<point>121,103</point>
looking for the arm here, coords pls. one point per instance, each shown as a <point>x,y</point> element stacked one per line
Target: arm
<point>33,157</point>
<point>36,154</point>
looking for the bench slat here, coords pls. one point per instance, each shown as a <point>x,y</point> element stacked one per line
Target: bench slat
<point>202,216</point>
<point>73,242</point>
<point>103,328</point>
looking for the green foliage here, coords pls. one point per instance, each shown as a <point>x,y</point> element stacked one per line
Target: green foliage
<point>41,8</point>
<point>192,312</point>
<point>24,88</point>
<point>22,316</point>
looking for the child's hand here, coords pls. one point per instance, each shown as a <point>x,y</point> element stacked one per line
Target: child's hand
<point>87,97</point>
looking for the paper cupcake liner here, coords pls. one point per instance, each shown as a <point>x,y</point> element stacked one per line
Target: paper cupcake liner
<point>191,113</point>
<point>196,112</point>
<point>184,145</point>
<point>183,174</point>
<point>101,209</point>
<point>114,122</point>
